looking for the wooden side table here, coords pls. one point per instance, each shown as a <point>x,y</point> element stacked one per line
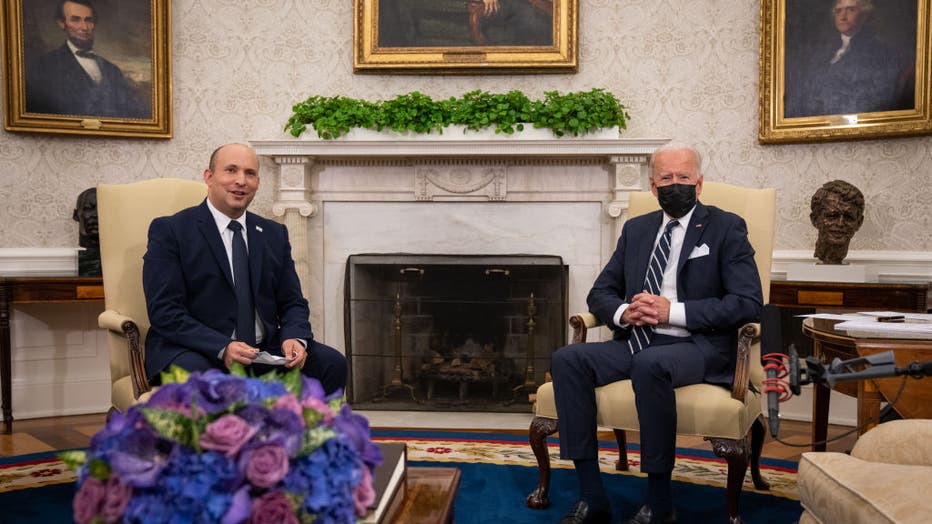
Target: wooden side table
<point>35,290</point>
<point>915,401</point>
<point>429,496</point>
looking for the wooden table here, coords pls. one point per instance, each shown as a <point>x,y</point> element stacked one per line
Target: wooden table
<point>35,290</point>
<point>428,498</point>
<point>914,402</point>
<point>872,296</point>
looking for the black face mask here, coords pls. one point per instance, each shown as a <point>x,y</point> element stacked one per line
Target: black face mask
<point>676,199</point>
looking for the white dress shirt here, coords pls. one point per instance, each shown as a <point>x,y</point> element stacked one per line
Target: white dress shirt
<point>677,321</point>
<point>90,65</point>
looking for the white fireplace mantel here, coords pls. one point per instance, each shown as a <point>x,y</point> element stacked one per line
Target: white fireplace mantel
<point>449,195</point>
<point>437,146</point>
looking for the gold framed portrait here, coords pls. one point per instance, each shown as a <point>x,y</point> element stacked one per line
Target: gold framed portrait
<point>87,67</point>
<point>844,69</point>
<point>465,36</point>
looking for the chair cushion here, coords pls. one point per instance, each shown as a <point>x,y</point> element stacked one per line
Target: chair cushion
<point>121,393</point>
<point>897,442</point>
<point>702,409</point>
<point>836,487</point>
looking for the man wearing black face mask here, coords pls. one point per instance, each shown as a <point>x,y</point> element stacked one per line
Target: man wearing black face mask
<point>679,284</point>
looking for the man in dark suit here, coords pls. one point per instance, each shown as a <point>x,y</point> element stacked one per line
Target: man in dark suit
<point>221,286</point>
<point>73,79</point>
<point>674,324</point>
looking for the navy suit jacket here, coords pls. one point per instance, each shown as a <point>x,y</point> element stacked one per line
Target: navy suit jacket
<point>56,83</point>
<point>721,290</point>
<point>189,288</point>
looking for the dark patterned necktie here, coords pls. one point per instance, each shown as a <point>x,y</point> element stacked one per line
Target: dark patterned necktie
<point>245,310</point>
<point>642,335</point>
<point>85,54</point>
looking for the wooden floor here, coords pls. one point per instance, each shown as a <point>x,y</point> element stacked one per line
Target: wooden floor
<point>60,433</point>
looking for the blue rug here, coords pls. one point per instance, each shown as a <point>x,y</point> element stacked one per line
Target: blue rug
<point>497,473</point>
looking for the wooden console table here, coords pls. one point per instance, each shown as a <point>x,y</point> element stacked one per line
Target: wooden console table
<point>915,401</point>
<point>850,296</point>
<point>35,290</point>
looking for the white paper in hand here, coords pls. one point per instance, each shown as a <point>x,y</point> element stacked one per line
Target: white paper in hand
<point>265,357</point>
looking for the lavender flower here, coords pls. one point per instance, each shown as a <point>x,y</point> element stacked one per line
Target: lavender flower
<point>222,448</point>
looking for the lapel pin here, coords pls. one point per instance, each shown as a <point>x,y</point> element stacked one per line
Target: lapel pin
<point>698,226</point>
<point>259,229</point>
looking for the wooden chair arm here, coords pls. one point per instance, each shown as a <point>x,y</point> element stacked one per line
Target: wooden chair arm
<point>126,326</point>
<point>746,337</point>
<point>580,323</point>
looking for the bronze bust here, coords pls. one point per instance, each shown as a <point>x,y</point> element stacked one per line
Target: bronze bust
<point>85,213</point>
<point>837,212</point>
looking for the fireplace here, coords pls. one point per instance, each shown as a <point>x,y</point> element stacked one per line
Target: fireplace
<point>563,197</point>
<point>451,332</point>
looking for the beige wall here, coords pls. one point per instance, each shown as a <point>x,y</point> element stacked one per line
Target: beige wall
<point>686,70</point>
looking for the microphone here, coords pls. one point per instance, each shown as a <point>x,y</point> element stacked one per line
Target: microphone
<point>772,347</point>
<point>773,406</point>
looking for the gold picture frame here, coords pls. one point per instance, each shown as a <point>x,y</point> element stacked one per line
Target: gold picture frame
<point>803,99</point>
<point>48,89</point>
<point>465,36</point>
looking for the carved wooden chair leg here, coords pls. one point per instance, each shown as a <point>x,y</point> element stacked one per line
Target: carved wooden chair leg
<point>757,445</point>
<point>736,453</point>
<point>622,463</point>
<point>540,429</point>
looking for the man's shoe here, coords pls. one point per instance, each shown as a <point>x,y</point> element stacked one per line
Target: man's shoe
<point>580,514</point>
<point>643,516</point>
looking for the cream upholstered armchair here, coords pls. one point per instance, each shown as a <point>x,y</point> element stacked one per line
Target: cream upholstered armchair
<point>884,480</point>
<point>124,212</point>
<point>730,419</point>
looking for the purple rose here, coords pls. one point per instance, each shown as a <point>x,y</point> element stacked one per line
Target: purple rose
<point>273,508</point>
<point>364,494</point>
<point>87,500</point>
<point>227,435</point>
<point>265,466</point>
<point>116,499</point>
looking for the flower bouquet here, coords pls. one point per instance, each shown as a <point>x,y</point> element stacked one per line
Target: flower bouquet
<point>217,447</point>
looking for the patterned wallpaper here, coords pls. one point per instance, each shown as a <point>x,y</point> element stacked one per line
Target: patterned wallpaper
<point>686,70</point>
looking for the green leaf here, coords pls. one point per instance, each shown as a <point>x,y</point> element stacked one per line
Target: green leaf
<point>292,381</point>
<point>99,469</point>
<point>238,370</point>
<point>73,459</point>
<point>172,425</point>
<point>175,375</point>
<point>315,438</point>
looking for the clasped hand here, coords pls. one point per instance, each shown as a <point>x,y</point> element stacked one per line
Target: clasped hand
<point>243,353</point>
<point>647,309</point>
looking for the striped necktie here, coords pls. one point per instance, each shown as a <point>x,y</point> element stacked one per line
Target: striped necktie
<point>642,335</point>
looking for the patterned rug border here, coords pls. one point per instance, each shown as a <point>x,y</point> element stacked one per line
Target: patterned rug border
<point>692,465</point>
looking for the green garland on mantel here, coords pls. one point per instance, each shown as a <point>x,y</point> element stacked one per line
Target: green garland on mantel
<point>574,113</point>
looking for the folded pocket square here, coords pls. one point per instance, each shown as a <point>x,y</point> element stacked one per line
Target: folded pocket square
<point>699,251</point>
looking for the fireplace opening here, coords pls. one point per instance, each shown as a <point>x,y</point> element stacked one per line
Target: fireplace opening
<point>451,333</point>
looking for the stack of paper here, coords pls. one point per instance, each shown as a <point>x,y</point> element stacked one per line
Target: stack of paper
<point>881,324</point>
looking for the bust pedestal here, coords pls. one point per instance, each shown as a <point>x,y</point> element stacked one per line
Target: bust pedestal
<point>818,272</point>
